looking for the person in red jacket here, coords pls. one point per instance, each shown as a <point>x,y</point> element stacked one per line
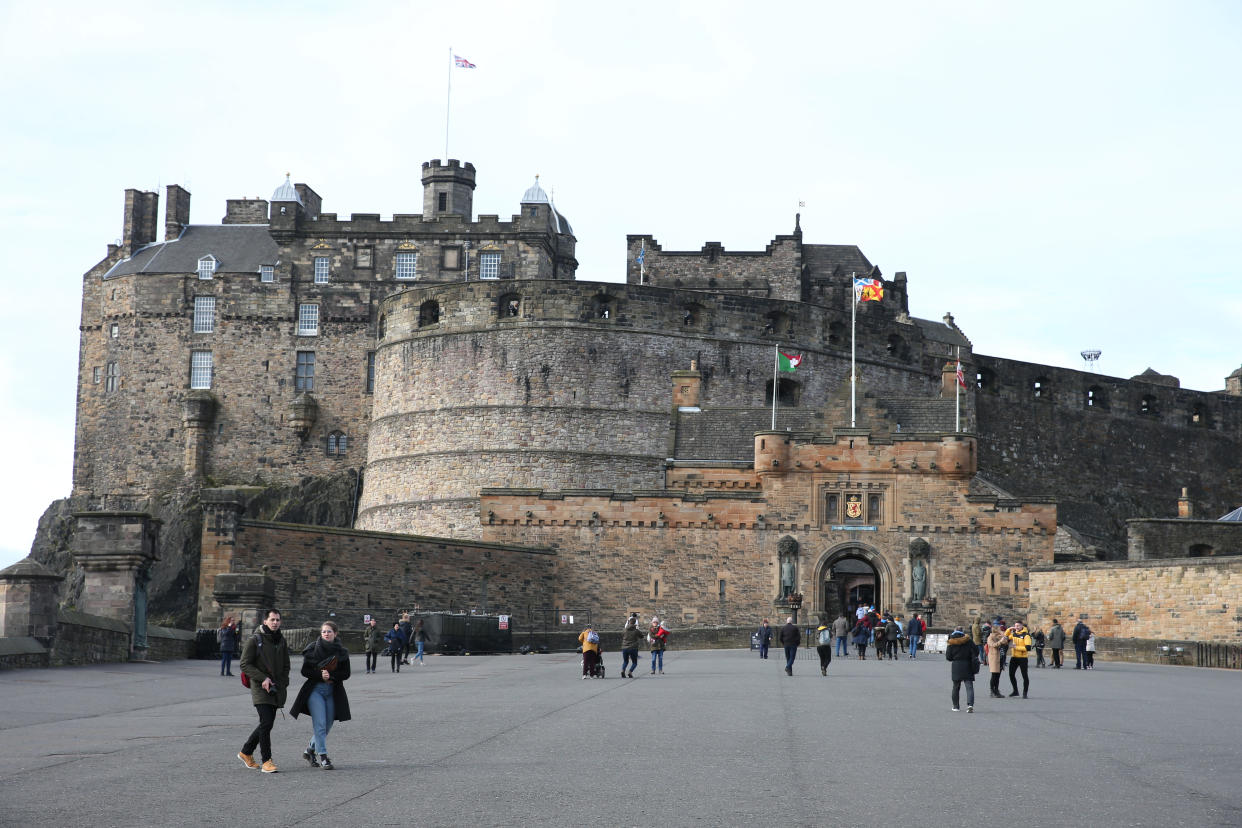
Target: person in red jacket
<point>657,637</point>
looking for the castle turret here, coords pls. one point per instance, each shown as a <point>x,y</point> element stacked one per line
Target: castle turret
<point>448,189</point>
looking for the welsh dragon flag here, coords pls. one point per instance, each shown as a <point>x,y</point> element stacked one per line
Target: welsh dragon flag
<point>789,362</point>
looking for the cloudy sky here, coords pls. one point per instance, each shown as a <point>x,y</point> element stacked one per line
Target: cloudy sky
<point>1059,176</point>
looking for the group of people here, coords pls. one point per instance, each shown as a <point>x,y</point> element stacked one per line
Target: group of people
<point>631,641</point>
<point>883,632</point>
<point>325,668</point>
<point>396,642</point>
<point>1082,639</point>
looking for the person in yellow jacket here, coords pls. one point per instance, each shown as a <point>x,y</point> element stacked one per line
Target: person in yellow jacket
<point>589,639</point>
<point>1020,644</point>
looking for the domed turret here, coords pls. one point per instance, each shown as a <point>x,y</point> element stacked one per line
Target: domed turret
<point>534,200</point>
<point>287,192</point>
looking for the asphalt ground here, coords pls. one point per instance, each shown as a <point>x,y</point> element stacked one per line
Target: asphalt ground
<point>722,738</point>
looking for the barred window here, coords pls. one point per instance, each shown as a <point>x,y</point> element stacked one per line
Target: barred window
<point>370,372</point>
<point>267,273</point>
<point>336,443</point>
<point>112,376</point>
<point>204,314</point>
<point>200,369</point>
<point>321,270</point>
<point>304,377</point>
<point>308,320</point>
<point>207,267</point>
<point>407,266</point>
<point>489,265</point>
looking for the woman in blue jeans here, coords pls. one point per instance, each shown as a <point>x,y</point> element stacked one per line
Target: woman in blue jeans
<point>420,638</point>
<point>657,637</point>
<point>325,664</point>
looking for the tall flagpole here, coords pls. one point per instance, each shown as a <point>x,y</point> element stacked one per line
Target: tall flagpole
<point>853,346</point>
<point>776,367</point>
<point>448,105</point>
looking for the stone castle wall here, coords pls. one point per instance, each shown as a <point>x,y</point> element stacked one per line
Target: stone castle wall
<point>1148,539</point>
<point>1189,599</point>
<point>1107,462</point>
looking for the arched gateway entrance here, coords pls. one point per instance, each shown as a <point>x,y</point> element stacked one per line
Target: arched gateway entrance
<point>850,574</point>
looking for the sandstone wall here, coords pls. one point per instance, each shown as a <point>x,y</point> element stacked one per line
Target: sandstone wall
<point>1180,600</point>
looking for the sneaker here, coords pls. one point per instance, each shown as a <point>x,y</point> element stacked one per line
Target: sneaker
<point>325,762</point>
<point>584,678</point>
<point>269,767</point>
<point>1014,694</point>
<point>955,709</point>
<point>970,708</point>
<point>248,760</point>
<point>653,672</point>
<point>309,756</point>
<point>661,672</point>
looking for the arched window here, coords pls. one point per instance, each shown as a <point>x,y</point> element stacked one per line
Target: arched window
<point>896,347</point>
<point>509,306</point>
<point>1147,406</point>
<point>1199,417</point>
<point>690,315</point>
<point>337,444</point>
<point>778,324</point>
<point>428,313</point>
<point>787,392</point>
<point>985,380</point>
<point>1201,550</point>
<point>603,307</point>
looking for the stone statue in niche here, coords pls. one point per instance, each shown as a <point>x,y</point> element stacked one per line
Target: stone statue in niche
<point>787,551</point>
<point>920,550</point>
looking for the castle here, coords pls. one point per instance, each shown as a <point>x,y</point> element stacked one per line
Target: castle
<point>628,429</point>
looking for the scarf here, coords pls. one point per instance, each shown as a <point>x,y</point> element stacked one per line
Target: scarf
<point>320,652</point>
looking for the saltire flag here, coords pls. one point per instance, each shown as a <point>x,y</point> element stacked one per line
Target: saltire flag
<point>868,290</point>
<point>789,362</point>
<point>642,255</point>
<point>462,63</point>
<point>961,378</point>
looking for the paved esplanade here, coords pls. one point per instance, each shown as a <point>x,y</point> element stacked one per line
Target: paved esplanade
<point>721,739</point>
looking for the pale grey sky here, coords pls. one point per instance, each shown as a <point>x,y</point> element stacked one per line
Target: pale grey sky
<point>1058,175</point>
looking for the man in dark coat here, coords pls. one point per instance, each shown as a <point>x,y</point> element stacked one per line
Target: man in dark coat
<point>1056,640</point>
<point>790,639</point>
<point>765,638</point>
<point>961,653</point>
<point>1081,634</point>
<point>265,661</point>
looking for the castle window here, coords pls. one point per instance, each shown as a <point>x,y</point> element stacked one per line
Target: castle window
<point>201,367</point>
<point>690,315</point>
<point>407,266</point>
<point>1147,405</point>
<point>321,270</point>
<point>204,314</point>
<point>1041,389</point>
<point>428,313</point>
<point>336,444</point>
<point>896,347</point>
<point>875,512</point>
<point>836,331</point>
<point>112,376</point>
<point>370,372</point>
<point>489,265</point>
<point>96,374</point>
<point>1201,550</point>
<point>787,392</point>
<point>985,380</point>
<point>450,258</point>
<point>304,375</point>
<point>832,508</point>
<point>207,267</point>
<point>1199,417</point>
<point>308,320</point>
<point>267,273</point>
<point>442,201</point>
<point>510,306</point>
<point>778,324</point>
<point>603,307</point>
<point>114,330</point>
<point>722,589</point>
<point>1093,397</point>
<point>383,326</point>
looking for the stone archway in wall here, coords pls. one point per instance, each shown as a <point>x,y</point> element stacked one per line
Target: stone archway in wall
<point>852,570</point>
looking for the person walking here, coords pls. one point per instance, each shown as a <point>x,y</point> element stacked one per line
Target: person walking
<point>420,641</point>
<point>657,639</point>
<point>823,646</point>
<point>631,638</point>
<point>396,643</point>
<point>1019,645</point>
<point>892,635</point>
<point>1040,641</point>
<point>914,631</point>
<point>840,629</point>
<point>961,653</point>
<point>588,639</point>
<point>1081,632</point>
<point>860,636</point>
<point>996,637</point>
<point>1056,640</point>
<point>765,638</point>
<point>879,638</point>
<point>407,635</point>
<point>265,661</point>
<point>325,664</point>
<point>790,639</point>
<point>227,636</point>
<point>976,635</point>
<point>372,643</point>
<point>1088,650</point>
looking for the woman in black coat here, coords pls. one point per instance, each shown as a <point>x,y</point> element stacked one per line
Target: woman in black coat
<point>965,659</point>
<point>325,664</point>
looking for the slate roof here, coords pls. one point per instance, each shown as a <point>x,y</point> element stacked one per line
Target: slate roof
<point>823,259</point>
<point>238,248</point>
<point>940,332</point>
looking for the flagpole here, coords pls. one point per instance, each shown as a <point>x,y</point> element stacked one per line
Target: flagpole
<point>642,261</point>
<point>776,367</point>
<point>448,102</point>
<point>957,390</point>
<point>853,346</point>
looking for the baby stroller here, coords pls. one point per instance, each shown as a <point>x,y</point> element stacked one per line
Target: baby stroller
<point>597,669</point>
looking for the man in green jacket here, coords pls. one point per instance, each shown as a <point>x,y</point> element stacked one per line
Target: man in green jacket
<point>373,642</point>
<point>265,661</point>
